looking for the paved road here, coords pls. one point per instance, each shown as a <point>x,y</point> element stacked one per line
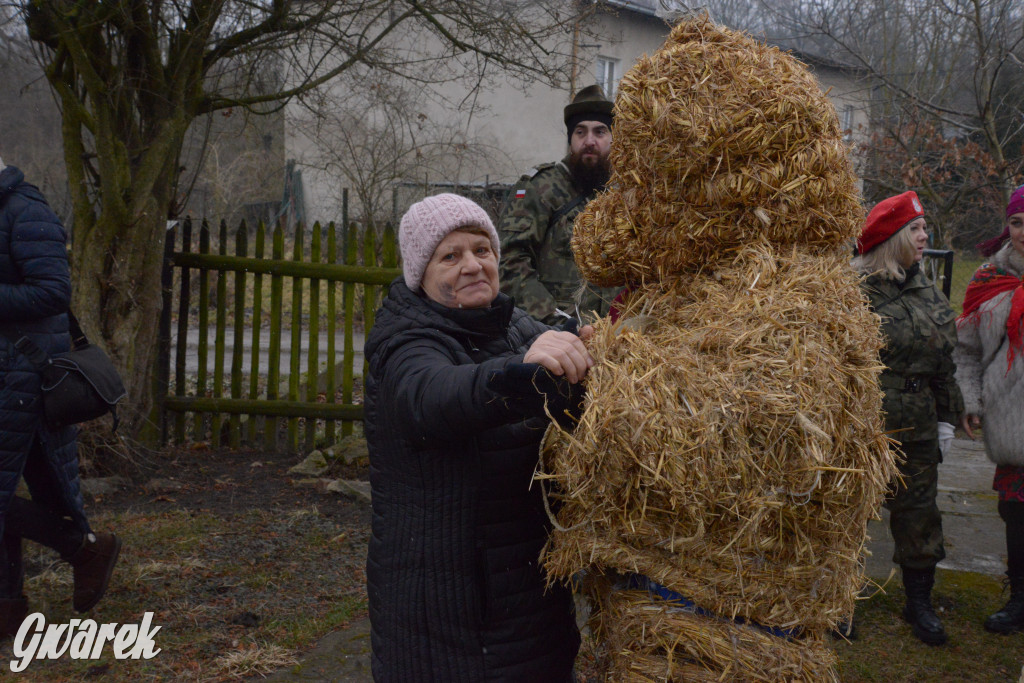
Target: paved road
<point>974,542</point>
<point>192,353</point>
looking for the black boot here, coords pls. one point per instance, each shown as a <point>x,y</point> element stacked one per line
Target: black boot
<point>12,613</point>
<point>13,605</point>
<point>92,566</point>
<point>919,612</point>
<point>1011,618</point>
<point>845,629</point>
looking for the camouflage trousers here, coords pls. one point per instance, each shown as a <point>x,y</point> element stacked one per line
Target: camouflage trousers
<point>914,518</point>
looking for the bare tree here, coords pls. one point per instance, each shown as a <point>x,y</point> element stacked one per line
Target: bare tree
<point>951,68</point>
<point>132,76</point>
<point>31,121</point>
<point>381,133</point>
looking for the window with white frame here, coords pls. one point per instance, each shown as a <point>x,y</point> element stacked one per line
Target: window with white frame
<point>606,69</point>
<point>846,122</point>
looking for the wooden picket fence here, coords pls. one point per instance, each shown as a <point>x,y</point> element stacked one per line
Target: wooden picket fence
<point>297,292</point>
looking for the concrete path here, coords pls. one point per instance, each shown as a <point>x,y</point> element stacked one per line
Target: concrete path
<point>974,537</point>
<point>192,350</point>
<point>974,542</point>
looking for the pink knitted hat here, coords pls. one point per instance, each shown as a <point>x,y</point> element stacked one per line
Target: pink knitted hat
<point>429,221</point>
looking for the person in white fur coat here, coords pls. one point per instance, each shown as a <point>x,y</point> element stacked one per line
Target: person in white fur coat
<point>990,371</point>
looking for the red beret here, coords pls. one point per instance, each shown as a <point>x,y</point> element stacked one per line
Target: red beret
<point>887,218</point>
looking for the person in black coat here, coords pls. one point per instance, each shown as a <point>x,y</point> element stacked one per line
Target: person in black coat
<point>35,291</point>
<point>458,387</point>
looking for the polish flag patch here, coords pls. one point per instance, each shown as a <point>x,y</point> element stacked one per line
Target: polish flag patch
<point>520,194</point>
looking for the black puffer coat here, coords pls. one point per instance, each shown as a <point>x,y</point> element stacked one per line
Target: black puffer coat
<point>35,290</point>
<point>456,592</point>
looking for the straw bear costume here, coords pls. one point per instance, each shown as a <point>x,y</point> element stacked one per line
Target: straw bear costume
<point>731,451</point>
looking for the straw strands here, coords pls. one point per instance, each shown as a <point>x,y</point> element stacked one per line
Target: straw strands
<point>664,642</point>
<point>731,447</point>
<point>717,138</point>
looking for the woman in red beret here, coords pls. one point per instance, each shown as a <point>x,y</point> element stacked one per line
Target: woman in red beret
<point>991,374</point>
<point>921,399</point>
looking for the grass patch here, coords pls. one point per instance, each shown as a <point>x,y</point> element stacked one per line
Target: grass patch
<point>887,652</point>
<point>253,659</point>
<point>963,269</point>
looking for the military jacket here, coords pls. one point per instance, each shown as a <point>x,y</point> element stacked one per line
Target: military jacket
<point>537,265</point>
<point>920,335</point>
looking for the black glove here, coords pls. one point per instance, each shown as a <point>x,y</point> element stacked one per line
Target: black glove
<point>532,382</point>
<point>570,325</point>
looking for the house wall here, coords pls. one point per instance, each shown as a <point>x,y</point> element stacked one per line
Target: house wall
<point>505,131</point>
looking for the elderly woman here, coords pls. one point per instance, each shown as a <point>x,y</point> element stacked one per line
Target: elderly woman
<point>35,289</point>
<point>991,375</point>
<point>921,399</point>
<point>454,420</point>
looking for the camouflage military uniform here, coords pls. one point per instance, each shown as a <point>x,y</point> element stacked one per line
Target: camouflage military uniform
<point>920,390</point>
<point>537,265</point>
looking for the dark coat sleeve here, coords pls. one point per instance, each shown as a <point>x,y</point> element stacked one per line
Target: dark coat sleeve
<point>39,258</point>
<point>443,399</point>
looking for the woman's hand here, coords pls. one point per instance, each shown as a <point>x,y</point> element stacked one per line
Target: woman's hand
<point>970,423</point>
<point>561,353</point>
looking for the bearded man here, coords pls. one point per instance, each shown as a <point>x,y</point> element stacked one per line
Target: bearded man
<point>537,265</point>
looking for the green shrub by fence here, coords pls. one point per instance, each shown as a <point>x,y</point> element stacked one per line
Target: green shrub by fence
<point>293,291</point>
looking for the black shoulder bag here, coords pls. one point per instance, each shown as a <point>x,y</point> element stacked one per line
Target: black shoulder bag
<point>78,385</point>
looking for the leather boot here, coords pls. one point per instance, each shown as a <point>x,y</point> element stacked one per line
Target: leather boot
<point>93,565</point>
<point>12,613</point>
<point>918,611</point>
<point>1011,618</point>
<point>13,605</point>
<point>845,629</point>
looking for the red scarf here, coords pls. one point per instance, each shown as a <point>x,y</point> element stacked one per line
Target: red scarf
<point>988,282</point>
<point>620,298</point>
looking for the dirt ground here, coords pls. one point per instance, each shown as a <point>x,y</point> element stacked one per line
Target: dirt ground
<point>243,565</point>
<point>246,568</point>
<point>224,481</point>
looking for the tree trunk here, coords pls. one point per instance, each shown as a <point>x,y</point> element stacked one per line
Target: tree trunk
<point>117,298</point>
<point>117,260</point>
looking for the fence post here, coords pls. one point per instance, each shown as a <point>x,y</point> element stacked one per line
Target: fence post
<point>332,329</point>
<point>313,350</point>
<point>163,348</point>
<point>294,356</point>
<point>369,291</point>
<point>238,336</point>
<point>181,353</point>
<point>947,269</point>
<point>199,430</point>
<point>349,302</point>
<point>217,423</point>
<point>273,424</point>
<point>257,324</point>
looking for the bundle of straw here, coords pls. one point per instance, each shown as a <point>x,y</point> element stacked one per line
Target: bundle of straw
<point>732,446</point>
<point>718,138</point>
<point>657,641</point>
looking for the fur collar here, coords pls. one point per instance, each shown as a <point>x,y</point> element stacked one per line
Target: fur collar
<point>1007,259</point>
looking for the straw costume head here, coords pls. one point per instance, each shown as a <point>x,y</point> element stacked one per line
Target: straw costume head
<point>719,141</point>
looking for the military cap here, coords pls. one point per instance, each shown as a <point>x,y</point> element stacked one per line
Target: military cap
<point>590,104</point>
<point>887,218</point>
